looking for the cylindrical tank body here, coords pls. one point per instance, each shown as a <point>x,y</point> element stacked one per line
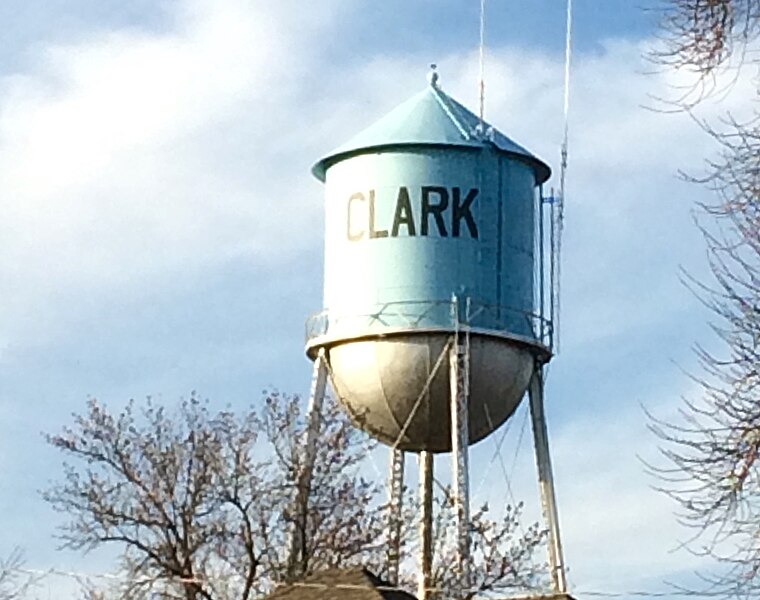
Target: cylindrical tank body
<point>430,230</point>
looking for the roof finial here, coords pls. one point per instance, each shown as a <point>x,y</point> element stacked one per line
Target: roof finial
<point>433,75</point>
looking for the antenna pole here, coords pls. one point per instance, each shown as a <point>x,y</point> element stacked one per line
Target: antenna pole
<point>395,507</point>
<point>566,95</point>
<point>425,579</point>
<point>298,556</point>
<point>560,217</point>
<point>481,66</point>
<point>546,480</point>
<point>460,439</point>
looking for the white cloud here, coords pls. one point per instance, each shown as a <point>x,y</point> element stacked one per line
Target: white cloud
<point>132,157</point>
<point>620,534</point>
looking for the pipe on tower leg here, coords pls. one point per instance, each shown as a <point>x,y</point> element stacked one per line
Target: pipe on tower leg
<point>546,480</point>
<point>424,576</point>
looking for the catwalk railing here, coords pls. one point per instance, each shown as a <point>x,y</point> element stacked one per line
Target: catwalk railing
<point>427,315</point>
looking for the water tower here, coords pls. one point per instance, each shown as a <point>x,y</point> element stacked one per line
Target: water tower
<point>435,298</point>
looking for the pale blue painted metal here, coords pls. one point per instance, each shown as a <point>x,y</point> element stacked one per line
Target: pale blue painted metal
<point>395,277</point>
<point>421,207</point>
<point>429,118</point>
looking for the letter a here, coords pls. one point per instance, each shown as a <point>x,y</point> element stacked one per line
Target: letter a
<point>404,215</point>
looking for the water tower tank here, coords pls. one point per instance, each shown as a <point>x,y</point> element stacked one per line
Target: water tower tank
<point>424,206</point>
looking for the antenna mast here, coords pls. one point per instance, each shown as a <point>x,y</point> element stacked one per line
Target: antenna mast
<point>481,67</point>
<point>558,220</point>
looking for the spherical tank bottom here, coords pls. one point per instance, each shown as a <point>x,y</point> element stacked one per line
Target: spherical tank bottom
<point>397,388</point>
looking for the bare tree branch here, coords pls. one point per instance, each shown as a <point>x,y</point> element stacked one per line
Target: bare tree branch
<point>201,503</point>
<point>705,38</point>
<point>15,582</point>
<point>711,453</point>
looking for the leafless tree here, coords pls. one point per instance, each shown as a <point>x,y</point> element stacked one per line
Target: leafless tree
<point>201,502</point>
<point>15,581</point>
<point>706,38</point>
<point>502,555</point>
<point>711,468</point>
<point>345,524</point>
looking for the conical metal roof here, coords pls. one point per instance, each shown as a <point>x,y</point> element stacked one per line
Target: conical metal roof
<point>429,118</point>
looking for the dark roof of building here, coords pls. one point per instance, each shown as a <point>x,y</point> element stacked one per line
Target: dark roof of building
<point>340,584</point>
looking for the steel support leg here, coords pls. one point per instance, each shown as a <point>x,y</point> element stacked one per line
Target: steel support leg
<point>459,389</point>
<point>298,558</point>
<point>395,517</point>
<point>546,480</point>
<point>424,577</point>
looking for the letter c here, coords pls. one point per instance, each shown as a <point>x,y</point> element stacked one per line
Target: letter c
<point>354,236</point>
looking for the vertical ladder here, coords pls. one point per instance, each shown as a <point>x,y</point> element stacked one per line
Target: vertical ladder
<point>395,516</point>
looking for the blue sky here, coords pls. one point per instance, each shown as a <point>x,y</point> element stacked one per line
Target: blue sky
<point>161,231</point>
